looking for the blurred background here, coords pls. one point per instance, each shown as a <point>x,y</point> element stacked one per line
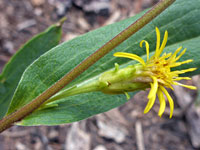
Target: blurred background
<point>123,128</point>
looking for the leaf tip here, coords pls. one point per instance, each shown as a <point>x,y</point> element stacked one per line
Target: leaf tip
<point>61,21</point>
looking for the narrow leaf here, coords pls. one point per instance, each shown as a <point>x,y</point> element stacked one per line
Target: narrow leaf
<point>28,53</point>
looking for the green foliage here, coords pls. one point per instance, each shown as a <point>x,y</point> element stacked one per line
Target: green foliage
<point>182,21</point>
<point>28,53</point>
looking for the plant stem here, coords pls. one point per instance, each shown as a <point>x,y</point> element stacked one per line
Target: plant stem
<point>8,121</point>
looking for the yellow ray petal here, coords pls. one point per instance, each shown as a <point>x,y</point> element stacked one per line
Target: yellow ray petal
<point>181,54</point>
<point>175,53</point>
<point>163,43</point>
<point>166,55</point>
<point>154,87</point>
<point>147,47</point>
<point>183,71</point>
<point>181,78</point>
<point>188,70</point>
<point>171,102</point>
<point>150,104</point>
<point>186,86</point>
<point>180,63</point>
<point>131,56</point>
<point>158,42</point>
<point>186,61</point>
<point>162,102</point>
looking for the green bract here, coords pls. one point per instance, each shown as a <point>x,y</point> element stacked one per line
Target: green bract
<point>25,56</point>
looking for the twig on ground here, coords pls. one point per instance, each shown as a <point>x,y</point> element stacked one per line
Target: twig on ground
<point>139,136</point>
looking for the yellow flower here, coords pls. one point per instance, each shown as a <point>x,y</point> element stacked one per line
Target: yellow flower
<point>158,70</point>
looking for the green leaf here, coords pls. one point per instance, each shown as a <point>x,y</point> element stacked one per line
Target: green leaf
<point>75,108</point>
<point>28,53</point>
<point>182,22</point>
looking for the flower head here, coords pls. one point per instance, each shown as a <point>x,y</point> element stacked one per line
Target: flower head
<point>158,69</point>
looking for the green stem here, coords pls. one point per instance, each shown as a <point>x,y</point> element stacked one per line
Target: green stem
<point>8,121</point>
